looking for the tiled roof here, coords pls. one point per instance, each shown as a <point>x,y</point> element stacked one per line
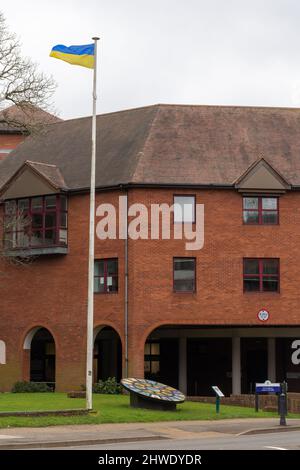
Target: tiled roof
<point>168,144</point>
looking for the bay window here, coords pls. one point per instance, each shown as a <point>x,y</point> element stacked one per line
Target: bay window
<point>35,222</point>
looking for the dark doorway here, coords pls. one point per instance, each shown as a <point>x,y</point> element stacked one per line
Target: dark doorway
<point>208,364</point>
<point>254,358</point>
<point>107,355</point>
<point>42,358</point>
<point>162,361</point>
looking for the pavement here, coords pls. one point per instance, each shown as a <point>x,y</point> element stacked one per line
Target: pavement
<point>105,434</point>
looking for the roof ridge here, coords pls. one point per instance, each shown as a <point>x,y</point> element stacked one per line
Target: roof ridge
<point>112,112</point>
<point>182,105</point>
<point>41,163</point>
<point>147,137</point>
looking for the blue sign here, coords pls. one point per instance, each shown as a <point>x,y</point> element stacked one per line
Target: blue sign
<point>267,387</point>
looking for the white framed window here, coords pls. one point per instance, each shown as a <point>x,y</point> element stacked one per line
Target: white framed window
<point>184,208</point>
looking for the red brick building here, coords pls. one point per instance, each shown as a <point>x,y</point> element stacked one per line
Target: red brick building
<point>227,314</point>
<point>14,126</point>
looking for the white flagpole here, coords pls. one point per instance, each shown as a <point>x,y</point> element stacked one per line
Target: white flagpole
<point>90,307</point>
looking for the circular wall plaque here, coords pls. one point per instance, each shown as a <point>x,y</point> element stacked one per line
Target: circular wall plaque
<point>263,315</point>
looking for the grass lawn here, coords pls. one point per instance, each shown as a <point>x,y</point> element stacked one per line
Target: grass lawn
<point>110,409</point>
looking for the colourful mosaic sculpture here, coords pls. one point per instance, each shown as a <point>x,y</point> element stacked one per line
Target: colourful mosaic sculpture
<point>153,390</point>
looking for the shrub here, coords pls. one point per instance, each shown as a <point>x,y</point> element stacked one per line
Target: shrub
<point>30,387</point>
<point>109,386</point>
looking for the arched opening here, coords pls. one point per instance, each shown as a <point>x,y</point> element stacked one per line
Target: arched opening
<point>107,354</point>
<point>42,356</point>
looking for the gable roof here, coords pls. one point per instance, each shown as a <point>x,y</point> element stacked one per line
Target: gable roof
<point>32,178</point>
<point>262,176</point>
<point>168,144</point>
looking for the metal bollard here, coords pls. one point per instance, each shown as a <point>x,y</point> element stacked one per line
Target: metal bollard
<point>217,404</point>
<point>282,409</point>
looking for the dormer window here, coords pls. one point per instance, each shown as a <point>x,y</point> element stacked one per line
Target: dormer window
<point>35,222</point>
<point>261,210</point>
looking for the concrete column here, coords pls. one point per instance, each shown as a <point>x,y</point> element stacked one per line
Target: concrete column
<point>271,359</point>
<point>182,366</point>
<point>236,365</point>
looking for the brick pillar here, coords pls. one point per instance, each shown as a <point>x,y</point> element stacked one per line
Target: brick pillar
<point>236,365</point>
<point>26,365</point>
<point>136,359</point>
<point>182,365</point>
<point>271,360</point>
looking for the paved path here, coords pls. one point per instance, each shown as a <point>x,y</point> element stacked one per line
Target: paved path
<point>105,434</point>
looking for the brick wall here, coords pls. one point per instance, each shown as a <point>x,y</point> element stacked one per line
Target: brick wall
<point>9,142</point>
<point>51,292</point>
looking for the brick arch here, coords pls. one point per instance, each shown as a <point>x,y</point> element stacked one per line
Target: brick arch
<point>153,328</point>
<point>28,337</point>
<point>100,327</point>
<point>26,349</point>
<point>110,348</point>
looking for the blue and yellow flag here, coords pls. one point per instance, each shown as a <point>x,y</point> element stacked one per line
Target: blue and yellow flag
<point>76,55</point>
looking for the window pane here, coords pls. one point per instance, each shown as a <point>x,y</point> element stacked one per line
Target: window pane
<point>251,284</point>
<point>10,222</point>
<point>184,285</point>
<point>147,366</point>
<point>184,274</point>
<point>251,217</point>
<point>63,219</point>
<point>270,284</point>
<point>50,237</point>
<point>270,217</point>
<point>37,204</point>
<point>23,205</point>
<point>147,348</point>
<point>23,239</point>
<point>112,266</point>
<point>184,209</point>
<point>112,284</point>
<point>50,202</point>
<point>250,202</point>
<point>37,220</point>
<point>155,348</point>
<point>251,266</point>
<point>184,268</point>
<point>99,267</point>
<point>270,266</point>
<point>50,219</point>
<point>10,207</point>
<point>63,236</point>
<point>269,203</point>
<point>97,287</point>
<point>63,203</point>
<point>37,238</point>
<point>155,367</point>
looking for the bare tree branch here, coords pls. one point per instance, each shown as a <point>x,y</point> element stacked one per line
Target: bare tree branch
<point>22,84</point>
<point>15,224</point>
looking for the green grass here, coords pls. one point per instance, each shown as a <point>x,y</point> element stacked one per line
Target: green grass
<point>110,409</point>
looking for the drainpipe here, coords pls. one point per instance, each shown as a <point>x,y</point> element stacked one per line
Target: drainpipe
<point>126,284</point>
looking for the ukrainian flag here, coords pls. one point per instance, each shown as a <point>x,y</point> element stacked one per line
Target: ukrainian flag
<point>76,55</point>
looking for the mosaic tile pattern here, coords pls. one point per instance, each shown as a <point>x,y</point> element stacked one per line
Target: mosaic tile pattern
<point>153,390</point>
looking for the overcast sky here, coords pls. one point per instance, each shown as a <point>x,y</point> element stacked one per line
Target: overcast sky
<point>234,52</point>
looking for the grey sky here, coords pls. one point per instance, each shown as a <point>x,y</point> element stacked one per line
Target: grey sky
<point>169,51</point>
